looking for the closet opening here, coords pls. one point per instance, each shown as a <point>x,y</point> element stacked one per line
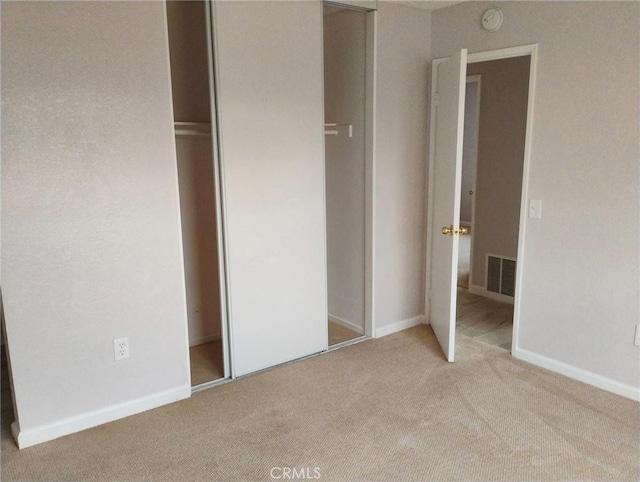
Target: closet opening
<point>347,33</point>
<point>194,119</point>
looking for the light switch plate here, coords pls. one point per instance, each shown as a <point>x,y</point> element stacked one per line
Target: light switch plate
<point>535,208</point>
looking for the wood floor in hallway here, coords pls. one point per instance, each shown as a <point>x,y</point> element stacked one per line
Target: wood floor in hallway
<point>485,320</point>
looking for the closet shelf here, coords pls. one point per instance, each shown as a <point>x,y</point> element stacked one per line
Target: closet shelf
<point>192,128</point>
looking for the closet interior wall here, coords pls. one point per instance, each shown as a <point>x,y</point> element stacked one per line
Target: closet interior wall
<point>345,35</point>
<point>194,151</point>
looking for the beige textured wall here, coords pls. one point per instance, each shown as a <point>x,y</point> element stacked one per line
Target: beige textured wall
<point>91,247</point>
<point>190,87</point>
<point>579,299</point>
<point>344,103</point>
<point>402,80</point>
<point>503,122</point>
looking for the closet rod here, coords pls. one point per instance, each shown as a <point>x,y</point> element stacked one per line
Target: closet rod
<point>192,128</point>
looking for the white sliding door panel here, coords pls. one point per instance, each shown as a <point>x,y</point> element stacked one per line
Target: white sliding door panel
<point>269,64</point>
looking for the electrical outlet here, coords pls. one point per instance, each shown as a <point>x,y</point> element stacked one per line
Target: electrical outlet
<point>121,348</point>
<point>636,340</point>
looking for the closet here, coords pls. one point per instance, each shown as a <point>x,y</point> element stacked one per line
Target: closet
<point>270,163</point>
<point>190,72</point>
<point>345,62</point>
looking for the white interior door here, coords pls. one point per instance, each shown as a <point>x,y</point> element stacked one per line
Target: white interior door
<point>449,77</point>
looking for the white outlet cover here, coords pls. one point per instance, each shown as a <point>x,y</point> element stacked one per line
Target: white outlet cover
<point>121,348</point>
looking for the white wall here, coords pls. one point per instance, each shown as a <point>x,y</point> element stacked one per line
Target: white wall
<point>344,103</point>
<point>503,123</point>
<point>579,300</point>
<point>272,137</point>
<point>402,84</point>
<point>91,247</point>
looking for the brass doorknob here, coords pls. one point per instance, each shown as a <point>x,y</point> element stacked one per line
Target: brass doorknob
<point>454,231</point>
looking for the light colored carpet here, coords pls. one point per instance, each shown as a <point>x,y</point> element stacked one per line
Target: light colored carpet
<point>206,362</point>
<point>339,334</point>
<point>485,320</point>
<point>385,409</point>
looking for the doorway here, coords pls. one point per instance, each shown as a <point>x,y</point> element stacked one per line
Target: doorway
<point>487,304</point>
<point>495,121</point>
<point>191,82</point>
<point>348,38</point>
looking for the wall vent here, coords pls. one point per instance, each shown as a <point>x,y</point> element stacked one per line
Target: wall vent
<point>501,275</point>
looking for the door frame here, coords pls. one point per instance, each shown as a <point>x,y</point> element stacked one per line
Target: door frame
<point>505,53</point>
<point>369,171</point>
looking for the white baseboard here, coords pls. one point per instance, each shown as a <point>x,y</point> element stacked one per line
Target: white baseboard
<point>399,326</point>
<point>480,291</point>
<point>44,433</point>
<point>628,391</point>
<point>347,324</point>
<point>204,339</point>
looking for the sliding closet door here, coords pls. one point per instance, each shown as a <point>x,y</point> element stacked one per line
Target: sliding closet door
<point>269,65</point>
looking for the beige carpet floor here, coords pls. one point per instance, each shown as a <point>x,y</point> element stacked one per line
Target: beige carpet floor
<point>385,409</point>
<point>206,362</point>
<point>339,334</point>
